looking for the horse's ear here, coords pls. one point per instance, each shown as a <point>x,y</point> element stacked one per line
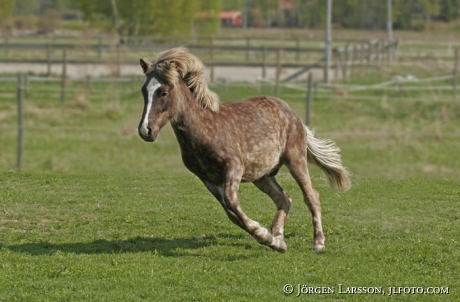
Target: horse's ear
<point>145,64</point>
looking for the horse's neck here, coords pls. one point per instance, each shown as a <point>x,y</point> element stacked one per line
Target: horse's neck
<point>191,122</point>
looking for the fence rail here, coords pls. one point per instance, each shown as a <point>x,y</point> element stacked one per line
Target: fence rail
<point>214,51</point>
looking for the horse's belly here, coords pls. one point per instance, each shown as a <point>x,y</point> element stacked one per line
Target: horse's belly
<point>255,174</point>
<point>257,167</point>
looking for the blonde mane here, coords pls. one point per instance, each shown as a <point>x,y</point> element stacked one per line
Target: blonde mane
<point>178,62</point>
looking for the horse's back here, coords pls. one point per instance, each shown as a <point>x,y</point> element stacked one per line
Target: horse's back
<point>258,111</point>
<point>261,126</point>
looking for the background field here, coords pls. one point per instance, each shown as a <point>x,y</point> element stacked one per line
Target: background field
<point>97,214</point>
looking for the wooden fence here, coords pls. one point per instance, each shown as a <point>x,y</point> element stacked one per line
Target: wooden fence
<point>23,84</point>
<point>22,88</point>
<point>214,51</point>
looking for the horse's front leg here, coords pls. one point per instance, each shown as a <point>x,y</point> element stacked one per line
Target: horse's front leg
<point>218,192</point>
<point>261,234</point>
<point>240,219</point>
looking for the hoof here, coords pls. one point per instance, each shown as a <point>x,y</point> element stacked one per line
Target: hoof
<point>278,245</point>
<point>319,247</point>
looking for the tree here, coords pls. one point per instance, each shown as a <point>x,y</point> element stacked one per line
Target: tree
<point>430,8</point>
<point>173,18</point>
<point>116,20</point>
<point>314,12</point>
<point>233,5</point>
<point>265,9</point>
<point>25,7</point>
<point>414,14</point>
<point>165,17</point>
<point>207,21</point>
<point>6,8</point>
<point>449,10</point>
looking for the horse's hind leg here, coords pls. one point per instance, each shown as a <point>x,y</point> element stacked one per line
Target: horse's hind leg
<point>299,170</point>
<point>283,202</point>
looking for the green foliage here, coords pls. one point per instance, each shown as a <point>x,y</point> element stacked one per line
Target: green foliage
<point>207,21</point>
<point>173,18</point>
<point>414,13</point>
<point>6,8</point>
<point>314,13</point>
<point>233,5</point>
<point>449,10</point>
<point>206,26</point>
<point>213,7</point>
<point>25,7</point>
<point>365,14</point>
<point>182,17</point>
<point>262,10</point>
<point>157,17</point>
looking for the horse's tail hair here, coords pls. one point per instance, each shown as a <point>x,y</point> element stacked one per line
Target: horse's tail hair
<point>326,155</point>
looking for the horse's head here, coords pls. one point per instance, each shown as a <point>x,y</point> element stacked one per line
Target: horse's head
<point>157,104</point>
<point>175,75</point>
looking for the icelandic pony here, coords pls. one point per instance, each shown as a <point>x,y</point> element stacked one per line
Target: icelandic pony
<point>225,144</point>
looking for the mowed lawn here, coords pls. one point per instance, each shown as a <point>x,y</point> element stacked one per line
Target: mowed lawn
<point>161,236</point>
<point>98,215</point>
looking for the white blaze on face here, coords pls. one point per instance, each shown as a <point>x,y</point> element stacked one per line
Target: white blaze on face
<point>152,86</point>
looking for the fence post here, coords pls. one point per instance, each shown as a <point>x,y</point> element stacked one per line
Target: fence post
<point>390,52</point>
<point>337,59</point>
<point>387,52</point>
<point>247,49</point>
<point>20,97</point>
<point>309,94</point>
<point>53,44</point>
<point>353,57</point>
<point>297,57</point>
<point>211,54</point>
<point>346,56</point>
<point>455,75</point>
<point>63,75</point>
<point>264,62</point>
<point>100,46</point>
<point>25,85</point>
<point>48,58</point>
<point>118,72</point>
<point>395,50</point>
<point>6,47</point>
<point>369,53</point>
<point>278,72</point>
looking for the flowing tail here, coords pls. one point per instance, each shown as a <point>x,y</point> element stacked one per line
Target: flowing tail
<point>326,155</point>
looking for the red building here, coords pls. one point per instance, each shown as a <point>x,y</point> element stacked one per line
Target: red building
<point>231,18</point>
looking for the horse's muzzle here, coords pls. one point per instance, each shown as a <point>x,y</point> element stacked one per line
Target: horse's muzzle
<point>146,134</point>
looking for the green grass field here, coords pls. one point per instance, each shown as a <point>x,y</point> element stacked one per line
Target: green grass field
<point>96,214</point>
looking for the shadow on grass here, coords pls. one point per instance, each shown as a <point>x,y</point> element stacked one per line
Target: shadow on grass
<point>166,247</point>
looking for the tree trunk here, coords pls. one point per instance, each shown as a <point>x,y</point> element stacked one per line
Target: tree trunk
<point>117,21</point>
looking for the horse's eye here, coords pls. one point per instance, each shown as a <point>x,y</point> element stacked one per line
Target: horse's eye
<point>164,93</point>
